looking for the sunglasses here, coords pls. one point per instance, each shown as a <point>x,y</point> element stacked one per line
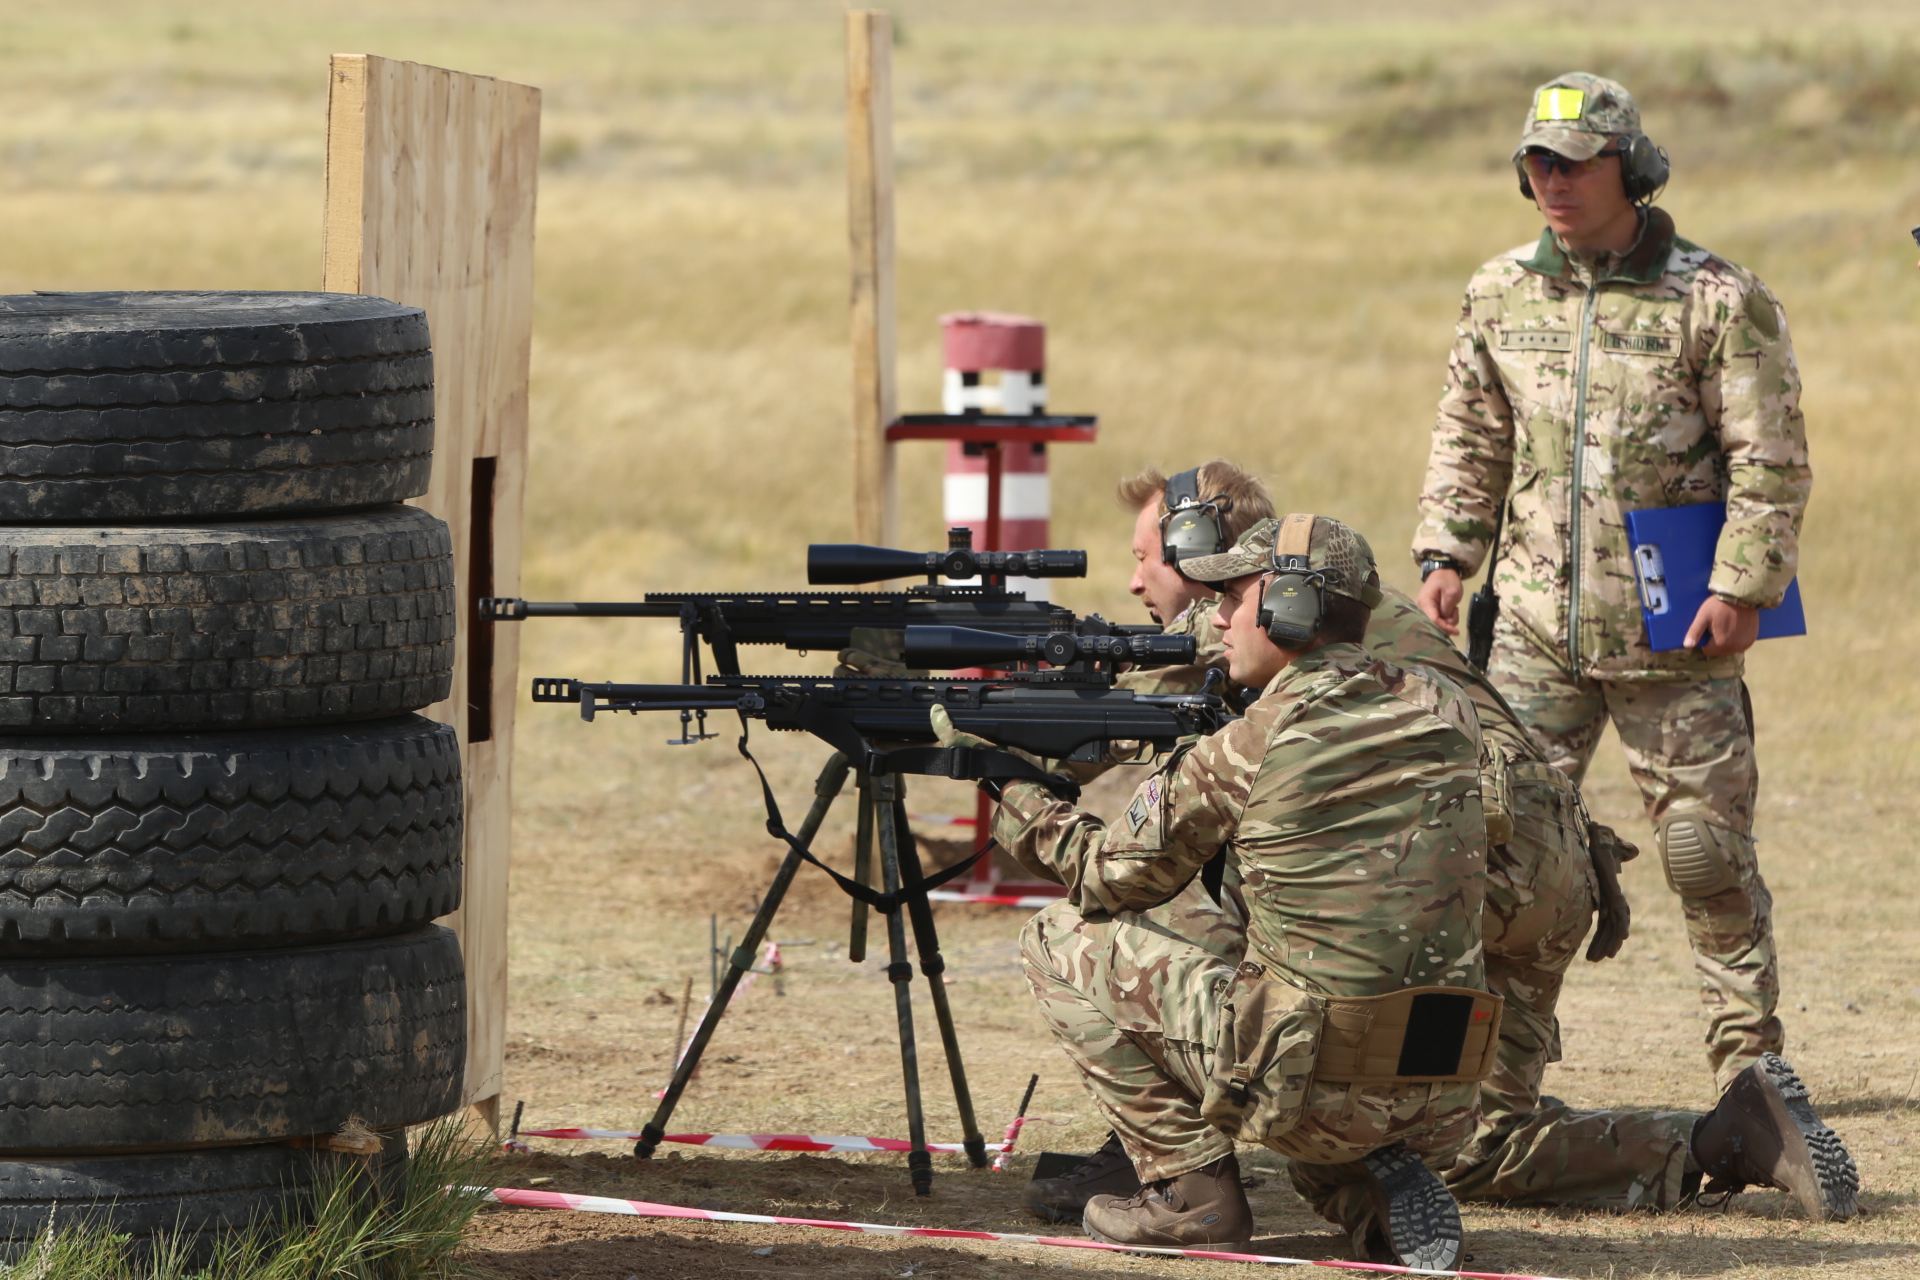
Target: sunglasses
<point>1541,163</point>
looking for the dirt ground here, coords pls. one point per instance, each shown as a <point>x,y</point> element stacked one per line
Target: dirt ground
<point>1247,225</point>
<point>597,990</point>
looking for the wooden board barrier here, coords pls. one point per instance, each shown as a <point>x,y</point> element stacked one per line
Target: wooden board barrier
<point>431,178</point>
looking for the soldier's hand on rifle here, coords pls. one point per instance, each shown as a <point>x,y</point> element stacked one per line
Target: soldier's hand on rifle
<point>857,663</point>
<point>873,653</point>
<point>951,737</point>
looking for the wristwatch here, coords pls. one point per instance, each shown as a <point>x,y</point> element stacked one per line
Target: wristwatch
<point>1431,563</point>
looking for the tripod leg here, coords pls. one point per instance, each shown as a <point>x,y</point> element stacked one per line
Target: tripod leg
<point>934,966</point>
<point>900,972</point>
<point>862,868</point>
<point>825,788</point>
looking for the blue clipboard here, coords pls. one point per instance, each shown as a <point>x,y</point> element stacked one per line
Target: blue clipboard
<point>1673,550</point>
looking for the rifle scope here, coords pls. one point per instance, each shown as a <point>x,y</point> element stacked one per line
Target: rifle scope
<point>844,563</point>
<point>944,648</point>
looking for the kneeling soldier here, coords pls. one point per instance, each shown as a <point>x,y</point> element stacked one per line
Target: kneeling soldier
<point>1545,880</point>
<point>1352,1036</point>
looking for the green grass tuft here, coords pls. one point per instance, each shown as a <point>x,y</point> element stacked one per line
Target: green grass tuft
<point>352,1233</point>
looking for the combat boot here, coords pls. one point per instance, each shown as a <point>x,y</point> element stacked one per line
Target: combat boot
<point>1204,1209</point>
<point>1416,1221</point>
<point>1764,1133</point>
<point>1064,1199</point>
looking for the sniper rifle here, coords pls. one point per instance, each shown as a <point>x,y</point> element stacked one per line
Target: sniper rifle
<point>1069,711</point>
<point>825,620</point>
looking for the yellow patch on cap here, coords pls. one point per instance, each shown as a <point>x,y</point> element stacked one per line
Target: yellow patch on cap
<point>1559,104</point>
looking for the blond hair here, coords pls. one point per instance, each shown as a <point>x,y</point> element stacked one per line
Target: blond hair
<point>1248,498</point>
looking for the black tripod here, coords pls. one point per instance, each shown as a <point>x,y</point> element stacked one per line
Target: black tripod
<point>883,812</point>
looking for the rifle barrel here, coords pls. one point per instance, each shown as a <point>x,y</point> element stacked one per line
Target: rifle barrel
<point>512,609</point>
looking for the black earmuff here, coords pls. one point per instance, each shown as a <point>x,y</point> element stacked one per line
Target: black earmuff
<point>1644,169</point>
<point>1192,528</point>
<point>1293,604</point>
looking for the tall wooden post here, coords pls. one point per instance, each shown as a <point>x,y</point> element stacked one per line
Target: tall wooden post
<point>876,513</point>
<point>430,201</point>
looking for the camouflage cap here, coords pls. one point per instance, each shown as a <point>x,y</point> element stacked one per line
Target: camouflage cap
<point>1577,114</point>
<point>1335,549</point>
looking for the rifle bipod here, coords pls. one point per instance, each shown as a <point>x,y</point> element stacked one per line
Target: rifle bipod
<point>883,813</point>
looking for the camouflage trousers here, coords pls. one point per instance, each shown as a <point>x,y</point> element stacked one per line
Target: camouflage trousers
<point>1541,898</point>
<point>1135,1000</point>
<point>1689,746</point>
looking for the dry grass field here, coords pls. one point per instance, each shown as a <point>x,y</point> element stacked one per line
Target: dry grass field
<point>1247,226</point>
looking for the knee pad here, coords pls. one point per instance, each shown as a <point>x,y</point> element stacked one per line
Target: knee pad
<point>1701,859</point>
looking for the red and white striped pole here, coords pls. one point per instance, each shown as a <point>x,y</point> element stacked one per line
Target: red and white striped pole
<point>996,363</point>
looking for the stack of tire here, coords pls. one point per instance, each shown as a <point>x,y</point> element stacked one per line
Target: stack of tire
<point>223,833</point>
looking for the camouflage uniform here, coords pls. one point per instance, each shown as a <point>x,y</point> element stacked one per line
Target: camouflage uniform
<point>1540,903</point>
<point>1541,898</point>
<point>1348,801</point>
<point>1672,370</point>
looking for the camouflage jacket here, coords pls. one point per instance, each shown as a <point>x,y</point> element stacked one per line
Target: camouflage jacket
<point>1195,620</point>
<point>1399,633</point>
<point>1348,799</point>
<point>1673,369</point>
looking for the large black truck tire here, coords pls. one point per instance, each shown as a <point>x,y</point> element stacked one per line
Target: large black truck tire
<point>233,1047</point>
<point>163,406</point>
<point>194,842</point>
<point>188,1197</point>
<point>252,624</point>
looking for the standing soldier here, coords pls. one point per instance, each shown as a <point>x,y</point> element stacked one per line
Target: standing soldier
<point>1612,367</point>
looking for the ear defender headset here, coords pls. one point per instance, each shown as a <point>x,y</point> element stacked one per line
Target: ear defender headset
<point>1192,528</point>
<point>1293,603</point>
<point>1643,169</point>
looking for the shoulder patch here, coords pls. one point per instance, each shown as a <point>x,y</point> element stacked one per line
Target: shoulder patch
<point>1761,315</point>
<point>1536,340</point>
<point>1641,344</point>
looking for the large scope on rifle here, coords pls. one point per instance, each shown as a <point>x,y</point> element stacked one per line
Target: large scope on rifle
<point>944,648</point>
<point>845,563</point>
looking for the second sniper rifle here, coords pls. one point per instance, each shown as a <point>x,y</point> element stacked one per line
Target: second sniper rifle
<point>883,726</point>
<point>826,620</point>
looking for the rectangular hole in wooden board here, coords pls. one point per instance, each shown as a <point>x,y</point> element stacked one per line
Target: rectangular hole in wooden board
<point>480,584</point>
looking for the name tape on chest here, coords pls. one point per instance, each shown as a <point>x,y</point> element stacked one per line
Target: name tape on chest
<point>1536,340</point>
<point>1640,344</point>
<point>1637,344</point>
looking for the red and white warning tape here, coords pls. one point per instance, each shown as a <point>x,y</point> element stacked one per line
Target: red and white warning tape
<point>1032,900</point>
<point>645,1209</point>
<point>762,1141</point>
